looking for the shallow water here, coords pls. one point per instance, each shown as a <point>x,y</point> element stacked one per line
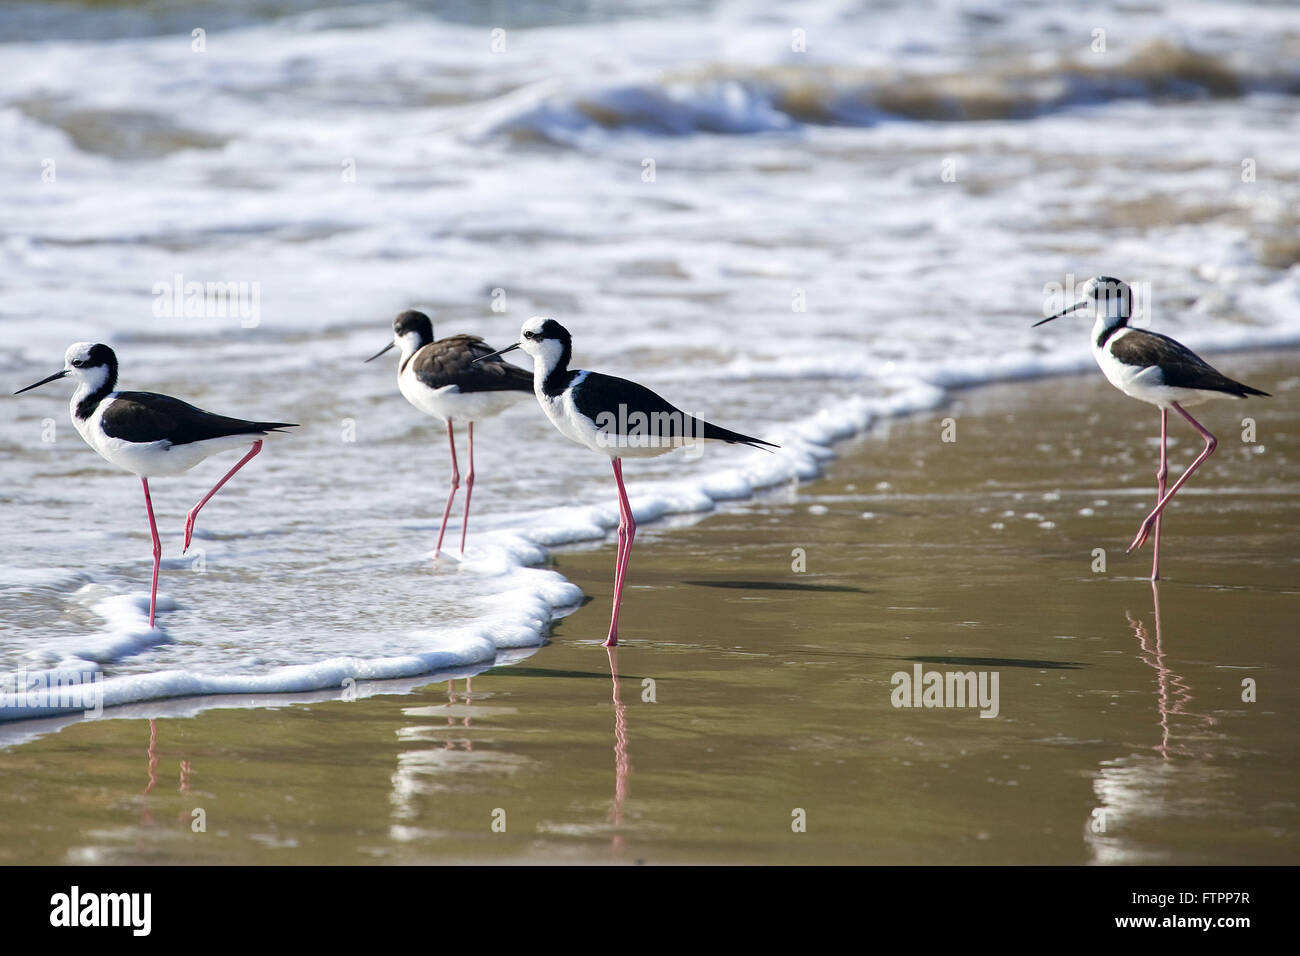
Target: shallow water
<point>784,180</point>
<point>748,691</point>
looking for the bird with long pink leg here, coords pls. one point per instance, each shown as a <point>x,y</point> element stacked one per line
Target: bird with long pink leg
<point>450,379</point>
<point>612,416</point>
<point>1154,368</point>
<point>150,434</point>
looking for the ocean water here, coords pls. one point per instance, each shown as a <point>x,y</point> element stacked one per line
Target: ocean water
<point>793,220</point>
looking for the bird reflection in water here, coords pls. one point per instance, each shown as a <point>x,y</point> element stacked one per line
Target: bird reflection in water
<point>146,813</point>
<point>1173,693</point>
<point>622,766</point>
<point>465,744</point>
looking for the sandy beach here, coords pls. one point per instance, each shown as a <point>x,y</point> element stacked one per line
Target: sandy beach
<point>753,716</point>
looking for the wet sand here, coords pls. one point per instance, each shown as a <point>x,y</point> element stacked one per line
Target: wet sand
<point>753,696</point>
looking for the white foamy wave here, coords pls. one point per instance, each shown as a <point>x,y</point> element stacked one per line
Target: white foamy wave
<point>527,606</point>
<point>77,698</point>
<point>126,630</point>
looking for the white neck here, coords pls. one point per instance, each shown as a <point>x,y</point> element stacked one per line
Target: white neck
<point>1103,323</point>
<point>408,343</point>
<point>546,356</point>
<point>89,382</point>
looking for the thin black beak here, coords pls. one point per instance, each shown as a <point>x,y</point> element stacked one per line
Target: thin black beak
<point>380,352</point>
<point>59,374</point>
<point>484,358</point>
<point>1077,305</point>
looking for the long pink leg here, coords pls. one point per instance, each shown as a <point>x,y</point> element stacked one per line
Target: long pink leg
<point>619,565</point>
<point>626,534</point>
<point>1161,475</point>
<point>194,512</point>
<point>1210,444</point>
<point>624,540</point>
<point>469,489</point>
<point>455,483</point>
<point>157,550</point>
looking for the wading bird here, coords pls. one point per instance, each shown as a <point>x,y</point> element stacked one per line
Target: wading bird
<point>1156,369</point>
<point>612,416</point>
<point>150,434</point>
<point>450,379</point>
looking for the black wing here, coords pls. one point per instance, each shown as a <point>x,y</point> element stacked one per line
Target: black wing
<point>450,361</point>
<point>1182,367</point>
<point>148,417</point>
<point>634,410</point>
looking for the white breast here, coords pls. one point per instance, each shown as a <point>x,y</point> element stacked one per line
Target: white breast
<point>560,409</point>
<point>450,403</point>
<point>1129,379</point>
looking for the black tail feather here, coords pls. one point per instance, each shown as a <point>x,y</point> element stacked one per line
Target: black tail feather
<point>1247,390</point>
<point>734,438</point>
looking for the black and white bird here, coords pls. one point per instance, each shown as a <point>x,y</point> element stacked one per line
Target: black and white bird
<point>612,416</point>
<point>448,379</point>
<point>1156,369</point>
<point>150,434</point>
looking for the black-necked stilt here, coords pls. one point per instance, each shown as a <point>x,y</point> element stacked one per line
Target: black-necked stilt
<point>150,434</point>
<point>613,416</point>
<point>448,379</point>
<point>1156,369</point>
